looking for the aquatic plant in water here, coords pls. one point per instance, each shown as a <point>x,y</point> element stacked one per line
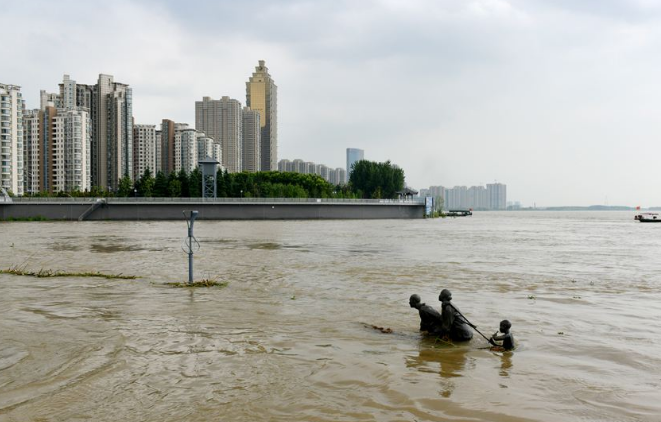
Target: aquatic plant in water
<point>201,283</point>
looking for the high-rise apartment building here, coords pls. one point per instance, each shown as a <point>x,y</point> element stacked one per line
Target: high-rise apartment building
<point>493,197</point>
<point>57,140</point>
<point>157,151</point>
<point>70,150</point>
<point>284,165</point>
<point>322,170</point>
<point>119,138</point>
<point>11,138</point>
<point>262,96</point>
<point>222,121</point>
<point>497,194</point>
<point>32,129</point>
<point>251,136</point>
<point>298,166</point>
<point>48,99</point>
<point>477,198</point>
<point>341,176</point>
<point>208,148</point>
<point>144,149</point>
<point>185,149</point>
<point>167,147</point>
<point>335,176</point>
<point>110,108</point>
<point>353,155</point>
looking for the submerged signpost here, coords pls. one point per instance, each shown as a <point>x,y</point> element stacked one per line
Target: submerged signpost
<point>188,243</point>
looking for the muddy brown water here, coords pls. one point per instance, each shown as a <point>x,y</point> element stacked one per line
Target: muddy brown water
<point>290,337</point>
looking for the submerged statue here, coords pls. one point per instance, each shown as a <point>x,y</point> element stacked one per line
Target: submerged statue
<point>453,322</point>
<point>430,319</point>
<point>507,338</point>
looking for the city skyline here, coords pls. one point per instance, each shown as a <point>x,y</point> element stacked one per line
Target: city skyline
<point>533,94</point>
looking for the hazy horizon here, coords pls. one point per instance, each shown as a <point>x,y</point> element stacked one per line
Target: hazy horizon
<point>558,101</point>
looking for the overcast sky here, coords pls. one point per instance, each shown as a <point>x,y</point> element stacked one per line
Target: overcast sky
<point>560,100</point>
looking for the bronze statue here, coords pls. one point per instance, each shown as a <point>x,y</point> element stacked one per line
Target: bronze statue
<point>507,338</point>
<point>430,319</point>
<point>453,322</point>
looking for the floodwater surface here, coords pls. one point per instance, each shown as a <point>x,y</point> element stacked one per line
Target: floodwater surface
<point>291,339</point>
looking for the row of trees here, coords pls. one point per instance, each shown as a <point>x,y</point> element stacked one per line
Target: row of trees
<point>368,180</point>
<point>267,184</point>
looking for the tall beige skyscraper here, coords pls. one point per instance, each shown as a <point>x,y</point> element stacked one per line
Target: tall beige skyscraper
<point>262,96</point>
<point>221,120</point>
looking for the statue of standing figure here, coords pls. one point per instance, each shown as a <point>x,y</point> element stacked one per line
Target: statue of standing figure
<point>453,322</point>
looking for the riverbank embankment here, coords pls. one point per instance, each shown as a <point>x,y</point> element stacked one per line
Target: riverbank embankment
<point>80,209</point>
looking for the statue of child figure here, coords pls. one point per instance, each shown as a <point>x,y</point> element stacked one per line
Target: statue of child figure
<point>506,337</point>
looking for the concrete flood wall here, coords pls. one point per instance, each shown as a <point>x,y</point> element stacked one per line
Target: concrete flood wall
<point>244,210</point>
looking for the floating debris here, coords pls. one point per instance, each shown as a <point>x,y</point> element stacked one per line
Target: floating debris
<point>42,273</point>
<point>532,297</point>
<point>382,329</point>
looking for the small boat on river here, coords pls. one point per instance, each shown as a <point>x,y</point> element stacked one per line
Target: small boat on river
<point>648,217</point>
<point>459,213</point>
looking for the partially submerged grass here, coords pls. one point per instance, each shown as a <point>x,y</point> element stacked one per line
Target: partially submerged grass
<point>42,273</point>
<point>34,218</point>
<point>201,283</point>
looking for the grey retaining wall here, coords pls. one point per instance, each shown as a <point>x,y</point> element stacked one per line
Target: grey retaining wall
<point>231,209</point>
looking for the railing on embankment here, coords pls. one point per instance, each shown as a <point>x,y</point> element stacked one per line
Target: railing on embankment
<point>69,208</point>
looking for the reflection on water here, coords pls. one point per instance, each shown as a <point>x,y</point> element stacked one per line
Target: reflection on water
<point>286,340</point>
<point>446,359</point>
<point>506,363</point>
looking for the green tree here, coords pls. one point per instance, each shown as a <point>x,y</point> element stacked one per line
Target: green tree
<point>182,176</point>
<point>161,186</point>
<point>125,187</point>
<point>221,191</point>
<point>370,179</point>
<point>174,186</point>
<point>195,183</point>
<point>145,185</point>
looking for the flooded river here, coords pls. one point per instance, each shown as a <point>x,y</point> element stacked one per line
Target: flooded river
<point>290,337</point>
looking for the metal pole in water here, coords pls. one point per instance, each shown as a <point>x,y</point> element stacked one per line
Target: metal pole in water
<point>190,222</point>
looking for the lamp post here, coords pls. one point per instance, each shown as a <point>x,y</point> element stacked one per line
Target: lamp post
<point>241,193</point>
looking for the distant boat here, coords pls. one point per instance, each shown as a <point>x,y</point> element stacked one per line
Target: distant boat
<point>648,217</point>
<point>459,213</point>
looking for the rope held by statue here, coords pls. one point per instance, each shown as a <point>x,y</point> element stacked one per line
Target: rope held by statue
<point>472,325</point>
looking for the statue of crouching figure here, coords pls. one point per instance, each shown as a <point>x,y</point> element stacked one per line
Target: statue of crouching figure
<point>430,318</point>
